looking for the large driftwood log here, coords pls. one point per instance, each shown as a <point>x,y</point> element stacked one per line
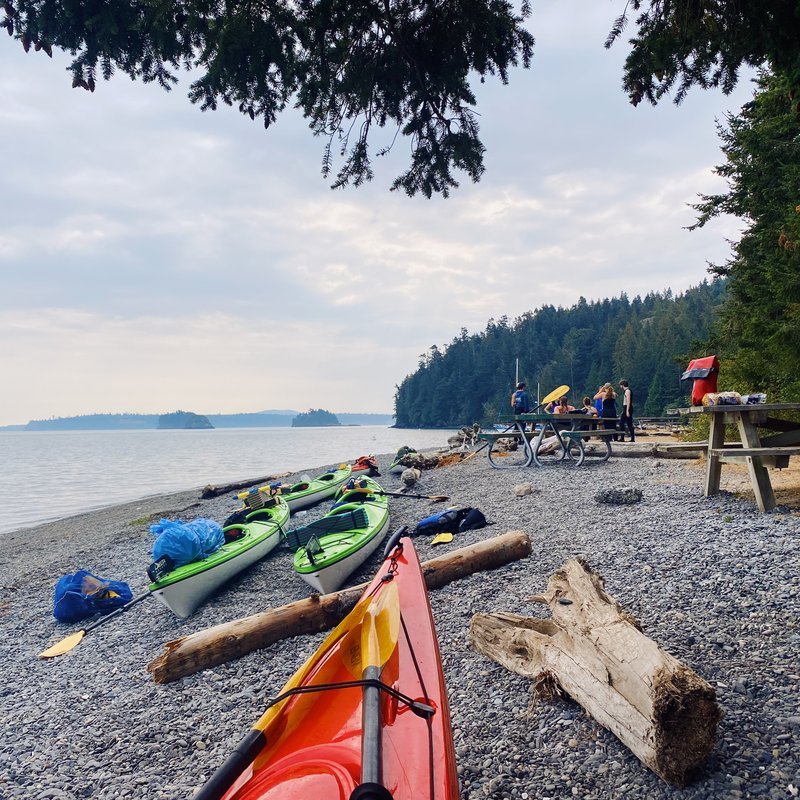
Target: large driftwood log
<point>594,650</point>
<point>210,491</point>
<point>230,640</point>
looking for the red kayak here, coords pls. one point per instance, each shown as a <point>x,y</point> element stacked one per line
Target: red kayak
<point>366,717</point>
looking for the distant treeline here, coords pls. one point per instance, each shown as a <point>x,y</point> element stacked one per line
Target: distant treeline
<point>646,340</point>
<point>264,419</point>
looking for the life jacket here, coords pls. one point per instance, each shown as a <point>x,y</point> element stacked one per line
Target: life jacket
<point>368,464</point>
<point>450,520</point>
<point>519,405</point>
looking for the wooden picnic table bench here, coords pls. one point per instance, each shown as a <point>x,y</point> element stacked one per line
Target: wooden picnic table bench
<point>555,438</point>
<point>755,452</point>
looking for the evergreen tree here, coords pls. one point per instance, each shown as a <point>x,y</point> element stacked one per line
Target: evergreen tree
<point>647,340</point>
<point>356,68</point>
<point>759,329</point>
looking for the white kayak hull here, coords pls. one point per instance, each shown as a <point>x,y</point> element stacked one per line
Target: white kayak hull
<point>184,596</point>
<point>332,577</point>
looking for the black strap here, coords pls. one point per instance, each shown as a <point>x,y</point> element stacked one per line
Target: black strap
<point>370,791</point>
<point>420,709</point>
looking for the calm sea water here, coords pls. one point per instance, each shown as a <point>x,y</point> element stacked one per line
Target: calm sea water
<point>50,475</point>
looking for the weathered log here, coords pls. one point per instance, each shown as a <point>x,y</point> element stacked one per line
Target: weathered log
<point>210,491</point>
<point>230,640</point>
<point>595,652</point>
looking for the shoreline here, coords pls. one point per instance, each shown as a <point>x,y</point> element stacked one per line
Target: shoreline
<point>711,580</point>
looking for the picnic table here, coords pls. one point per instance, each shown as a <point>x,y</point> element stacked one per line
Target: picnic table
<point>570,432</point>
<point>755,451</point>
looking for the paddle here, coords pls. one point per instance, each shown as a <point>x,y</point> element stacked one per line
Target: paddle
<point>437,498</point>
<point>377,643</point>
<point>554,395</point>
<point>74,639</point>
<point>548,398</point>
<point>377,640</point>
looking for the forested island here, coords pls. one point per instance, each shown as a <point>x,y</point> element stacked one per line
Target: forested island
<point>315,418</point>
<point>183,420</point>
<point>646,340</point>
<point>257,419</point>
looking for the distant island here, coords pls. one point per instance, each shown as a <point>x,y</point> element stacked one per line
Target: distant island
<point>184,421</point>
<point>315,418</point>
<point>272,418</point>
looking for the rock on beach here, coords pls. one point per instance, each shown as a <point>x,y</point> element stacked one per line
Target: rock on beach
<point>712,580</point>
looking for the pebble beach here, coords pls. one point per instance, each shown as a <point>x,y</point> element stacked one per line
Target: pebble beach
<point>712,580</point>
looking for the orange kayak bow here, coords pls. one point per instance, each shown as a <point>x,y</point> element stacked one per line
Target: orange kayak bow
<point>366,717</point>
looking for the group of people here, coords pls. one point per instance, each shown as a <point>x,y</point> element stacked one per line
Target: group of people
<point>603,407</point>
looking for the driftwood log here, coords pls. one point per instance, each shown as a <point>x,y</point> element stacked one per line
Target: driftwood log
<point>595,652</point>
<point>230,640</point>
<point>210,491</point>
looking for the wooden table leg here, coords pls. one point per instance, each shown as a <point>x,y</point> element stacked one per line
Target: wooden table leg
<point>716,439</point>
<point>759,477</point>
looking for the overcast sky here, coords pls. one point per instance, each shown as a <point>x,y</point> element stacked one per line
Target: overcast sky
<point>154,257</point>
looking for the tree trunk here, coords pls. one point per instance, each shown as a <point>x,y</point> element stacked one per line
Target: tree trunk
<point>230,640</point>
<point>594,650</point>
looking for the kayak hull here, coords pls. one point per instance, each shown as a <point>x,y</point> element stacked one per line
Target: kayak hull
<point>319,489</point>
<point>330,578</point>
<point>341,553</point>
<point>312,742</point>
<point>299,495</point>
<point>184,589</point>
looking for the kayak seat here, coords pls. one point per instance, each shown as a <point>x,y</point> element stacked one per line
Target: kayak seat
<point>233,534</point>
<point>335,523</point>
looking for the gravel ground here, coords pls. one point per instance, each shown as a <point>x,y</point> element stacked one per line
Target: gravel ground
<point>713,581</point>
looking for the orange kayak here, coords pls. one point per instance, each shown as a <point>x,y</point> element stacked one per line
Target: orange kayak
<point>366,717</point>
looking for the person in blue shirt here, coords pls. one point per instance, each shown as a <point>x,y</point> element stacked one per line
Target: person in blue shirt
<point>520,402</point>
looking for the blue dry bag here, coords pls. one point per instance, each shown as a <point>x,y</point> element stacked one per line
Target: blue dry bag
<point>185,542</point>
<point>81,595</point>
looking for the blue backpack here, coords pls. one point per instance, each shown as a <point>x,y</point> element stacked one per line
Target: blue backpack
<point>82,595</point>
<point>451,520</point>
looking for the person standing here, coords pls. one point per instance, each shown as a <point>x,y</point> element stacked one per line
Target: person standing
<point>626,418</point>
<point>520,402</point>
<point>608,412</point>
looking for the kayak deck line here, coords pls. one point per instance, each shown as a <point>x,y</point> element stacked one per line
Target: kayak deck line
<point>424,710</point>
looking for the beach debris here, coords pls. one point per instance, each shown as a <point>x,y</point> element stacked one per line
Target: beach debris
<point>523,489</point>
<point>594,651</point>
<point>623,496</point>
<point>465,438</point>
<point>410,476</point>
<point>221,643</point>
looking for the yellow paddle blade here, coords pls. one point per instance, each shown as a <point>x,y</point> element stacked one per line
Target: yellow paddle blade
<point>64,646</point>
<point>372,643</point>
<point>442,538</point>
<point>555,394</point>
<point>352,620</point>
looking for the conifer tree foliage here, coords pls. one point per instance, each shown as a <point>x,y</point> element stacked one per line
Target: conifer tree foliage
<point>759,328</point>
<point>349,66</point>
<point>399,65</point>
<point>647,340</point>
<point>678,44</point>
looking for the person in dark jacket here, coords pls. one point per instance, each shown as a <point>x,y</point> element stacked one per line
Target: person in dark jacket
<point>520,402</point>
<point>626,417</point>
<point>608,412</point>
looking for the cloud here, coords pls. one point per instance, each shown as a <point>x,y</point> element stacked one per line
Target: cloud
<point>153,257</point>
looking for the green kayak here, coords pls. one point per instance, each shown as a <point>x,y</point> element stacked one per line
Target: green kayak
<point>328,558</point>
<point>184,588</point>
